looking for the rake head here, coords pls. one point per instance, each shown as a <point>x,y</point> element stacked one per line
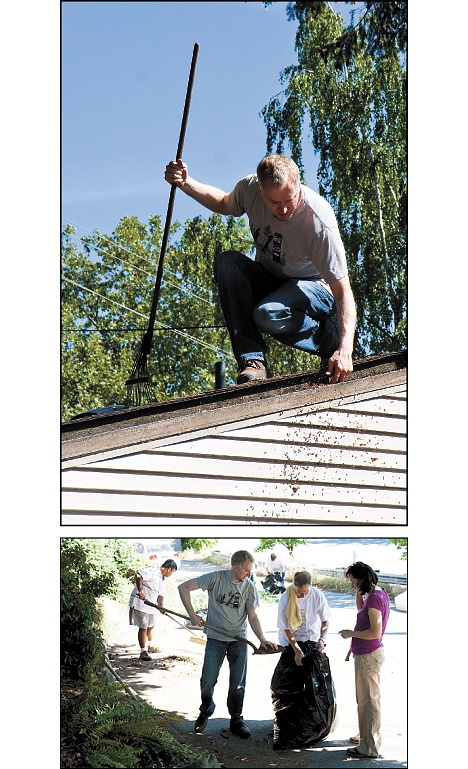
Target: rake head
<point>139,387</point>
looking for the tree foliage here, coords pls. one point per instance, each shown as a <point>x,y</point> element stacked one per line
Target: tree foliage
<point>349,87</point>
<point>197,544</point>
<point>269,544</point>
<point>108,284</point>
<point>401,544</point>
<point>90,568</point>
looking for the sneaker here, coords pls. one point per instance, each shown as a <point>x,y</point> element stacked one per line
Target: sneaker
<point>251,369</point>
<point>153,649</point>
<point>145,657</point>
<point>240,729</point>
<point>200,724</point>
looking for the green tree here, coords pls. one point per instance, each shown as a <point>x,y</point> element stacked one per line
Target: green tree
<point>197,544</point>
<point>402,544</point>
<point>108,283</point>
<point>90,568</point>
<point>350,87</point>
<point>269,544</point>
<point>107,289</point>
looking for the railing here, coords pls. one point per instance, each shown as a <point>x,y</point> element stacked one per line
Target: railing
<point>389,579</point>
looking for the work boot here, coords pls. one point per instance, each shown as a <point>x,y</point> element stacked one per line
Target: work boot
<point>240,729</point>
<point>200,724</point>
<point>251,369</point>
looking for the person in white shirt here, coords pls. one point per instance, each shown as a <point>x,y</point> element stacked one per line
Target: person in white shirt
<point>150,585</point>
<point>276,565</point>
<point>303,614</point>
<point>302,690</point>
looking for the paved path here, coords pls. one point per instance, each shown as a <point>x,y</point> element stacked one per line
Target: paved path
<point>175,687</point>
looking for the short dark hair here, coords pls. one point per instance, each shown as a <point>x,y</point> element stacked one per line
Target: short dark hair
<point>365,574</point>
<point>169,564</point>
<point>278,170</point>
<point>302,578</point>
<point>240,556</point>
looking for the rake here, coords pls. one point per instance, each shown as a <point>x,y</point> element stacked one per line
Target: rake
<point>139,387</point>
<point>196,639</point>
<point>256,650</point>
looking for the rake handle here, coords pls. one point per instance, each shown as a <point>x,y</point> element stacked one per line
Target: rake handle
<point>149,334</point>
<point>210,627</point>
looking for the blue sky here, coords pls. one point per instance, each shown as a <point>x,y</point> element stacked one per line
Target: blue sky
<point>125,68</point>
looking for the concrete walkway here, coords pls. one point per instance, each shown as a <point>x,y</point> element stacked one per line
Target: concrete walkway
<point>175,687</point>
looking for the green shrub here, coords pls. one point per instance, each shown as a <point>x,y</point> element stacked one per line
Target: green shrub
<point>110,729</point>
<point>90,568</point>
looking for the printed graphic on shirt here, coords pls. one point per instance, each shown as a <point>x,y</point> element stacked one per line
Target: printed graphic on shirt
<point>303,612</point>
<point>268,237</point>
<point>230,599</point>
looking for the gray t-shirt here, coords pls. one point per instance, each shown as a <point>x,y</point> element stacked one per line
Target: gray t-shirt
<point>308,246</point>
<point>228,603</point>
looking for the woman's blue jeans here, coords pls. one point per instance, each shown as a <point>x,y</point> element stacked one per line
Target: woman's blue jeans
<point>215,653</point>
<point>295,312</point>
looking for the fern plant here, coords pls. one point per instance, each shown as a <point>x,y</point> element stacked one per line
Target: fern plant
<point>114,730</point>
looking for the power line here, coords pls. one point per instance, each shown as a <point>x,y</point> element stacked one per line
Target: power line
<point>139,256</point>
<point>162,325</point>
<point>191,291</point>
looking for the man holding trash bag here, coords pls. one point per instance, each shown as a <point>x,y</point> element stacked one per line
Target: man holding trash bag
<point>302,689</point>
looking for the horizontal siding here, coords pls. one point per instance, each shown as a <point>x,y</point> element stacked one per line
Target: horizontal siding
<point>289,435</point>
<point>185,463</point>
<point>222,510</point>
<point>230,446</point>
<point>230,487</point>
<point>344,464</point>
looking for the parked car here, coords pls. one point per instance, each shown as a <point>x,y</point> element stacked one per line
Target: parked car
<point>156,552</point>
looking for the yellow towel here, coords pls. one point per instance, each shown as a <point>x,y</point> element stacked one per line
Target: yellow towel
<point>292,612</point>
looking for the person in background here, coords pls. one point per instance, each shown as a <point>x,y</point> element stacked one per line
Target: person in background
<point>373,610</point>
<point>276,566</point>
<point>298,281</point>
<point>232,600</point>
<point>150,585</point>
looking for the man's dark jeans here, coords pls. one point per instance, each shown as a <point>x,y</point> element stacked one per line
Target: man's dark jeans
<point>215,653</point>
<point>295,312</point>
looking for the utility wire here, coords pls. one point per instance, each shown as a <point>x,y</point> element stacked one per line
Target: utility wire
<point>220,353</point>
<point>190,291</point>
<point>139,256</point>
<point>127,251</point>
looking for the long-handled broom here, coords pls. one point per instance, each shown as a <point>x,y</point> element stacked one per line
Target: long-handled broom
<point>139,388</point>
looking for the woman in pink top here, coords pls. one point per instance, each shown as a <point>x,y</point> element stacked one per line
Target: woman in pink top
<point>373,605</point>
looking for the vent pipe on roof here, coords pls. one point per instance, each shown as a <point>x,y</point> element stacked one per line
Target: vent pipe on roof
<point>220,375</point>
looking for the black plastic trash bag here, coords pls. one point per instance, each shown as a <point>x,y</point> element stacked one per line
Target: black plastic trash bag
<point>272,584</point>
<point>304,700</point>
